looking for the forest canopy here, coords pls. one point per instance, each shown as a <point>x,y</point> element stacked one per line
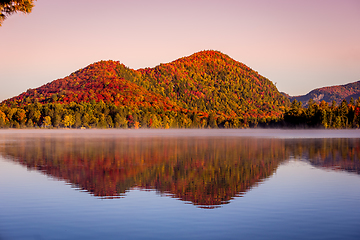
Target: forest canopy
<point>205,90</point>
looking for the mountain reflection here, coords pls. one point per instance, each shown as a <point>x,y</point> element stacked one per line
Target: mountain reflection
<point>207,171</point>
<point>336,154</point>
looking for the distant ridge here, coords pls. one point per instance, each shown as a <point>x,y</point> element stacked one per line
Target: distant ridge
<point>333,93</point>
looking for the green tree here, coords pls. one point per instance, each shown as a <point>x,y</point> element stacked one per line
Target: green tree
<point>212,120</point>
<point>352,101</point>
<point>2,119</point>
<point>85,120</point>
<point>30,124</point>
<point>120,121</point>
<point>10,113</point>
<point>338,122</point>
<point>102,122</point>
<point>77,120</point>
<point>47,121</point>
<point>54,98</point>
<point>68,120</point>
<point>295,115</point>
<point>35,116</point>
<point>56,120</point>
<point>324,119</point>
<point>195,120</point>
<point>109,121</point>
<point>343,111</point>
<point>21,116</point>
<point>155,121</point>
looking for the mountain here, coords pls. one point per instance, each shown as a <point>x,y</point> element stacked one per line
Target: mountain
<point>98,81</point>
<point>332,93</point>
<point>212,81</point>
<point>206,89</point>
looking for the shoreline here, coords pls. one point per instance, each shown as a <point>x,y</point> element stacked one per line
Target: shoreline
<point>146,133</point>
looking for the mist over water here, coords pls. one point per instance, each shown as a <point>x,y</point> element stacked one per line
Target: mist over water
<point>118,133</point>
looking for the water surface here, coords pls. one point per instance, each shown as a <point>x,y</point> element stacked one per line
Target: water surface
<point>179,184</point>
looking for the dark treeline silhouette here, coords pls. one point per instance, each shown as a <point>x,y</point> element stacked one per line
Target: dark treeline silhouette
<point>207,172</point>
<point>344,115</point>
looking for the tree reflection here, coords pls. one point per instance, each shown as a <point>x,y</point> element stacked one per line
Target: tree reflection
<point>207,171</point>
<point>332,153</point>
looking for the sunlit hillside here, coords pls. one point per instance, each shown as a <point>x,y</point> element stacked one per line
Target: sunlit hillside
<point>206,89</point>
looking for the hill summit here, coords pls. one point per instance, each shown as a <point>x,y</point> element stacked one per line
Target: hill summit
<point>206,85</point>
<point>212,81</point>
<point>99,81</point>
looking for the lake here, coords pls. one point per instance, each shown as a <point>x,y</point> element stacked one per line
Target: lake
<point>180,184</point>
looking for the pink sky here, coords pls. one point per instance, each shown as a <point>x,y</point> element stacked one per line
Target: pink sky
<point>299,45</point>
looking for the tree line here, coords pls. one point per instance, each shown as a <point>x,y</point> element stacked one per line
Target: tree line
<point>323,115</point>
<point>101,115</point>
<point>206,89</point>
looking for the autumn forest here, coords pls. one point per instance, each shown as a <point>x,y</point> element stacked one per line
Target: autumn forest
<point>205,90</point>
<point>207,172</point>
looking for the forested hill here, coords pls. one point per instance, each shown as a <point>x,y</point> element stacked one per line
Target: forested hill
<point>206,89</point>
<point>212,81</point>
<point>333,93</point>
<point>99,81</point>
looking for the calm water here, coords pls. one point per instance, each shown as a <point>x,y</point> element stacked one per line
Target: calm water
<point>179,184</point>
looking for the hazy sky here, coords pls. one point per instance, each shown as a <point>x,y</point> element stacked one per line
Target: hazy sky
<point>300,45</point>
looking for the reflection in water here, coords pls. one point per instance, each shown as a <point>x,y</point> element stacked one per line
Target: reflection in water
<point>207,171</point>
<point>336,154</point>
